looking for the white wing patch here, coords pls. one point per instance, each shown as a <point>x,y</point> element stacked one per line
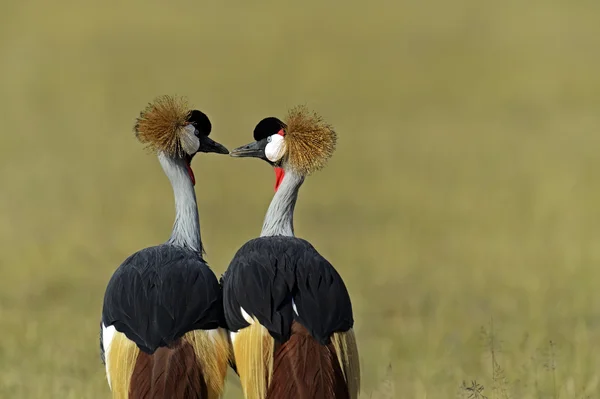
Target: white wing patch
<point>246,316</point>
<point>232,336</point>
<point>295,308</point>
<point>108,334</point>
<point>275,148</point>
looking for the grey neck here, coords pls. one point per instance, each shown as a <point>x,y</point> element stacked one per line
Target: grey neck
<point>279,220</point>
<point>186,229</point>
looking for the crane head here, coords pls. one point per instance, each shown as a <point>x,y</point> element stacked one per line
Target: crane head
<point>304,142</point>
<point>168,125</point>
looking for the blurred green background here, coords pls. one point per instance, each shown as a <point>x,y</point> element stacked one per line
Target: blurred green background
<point>463,192</point>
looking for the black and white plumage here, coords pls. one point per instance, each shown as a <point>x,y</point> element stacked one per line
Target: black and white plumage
<point>287,308</point>
<point>162,319</point>
<point>160,293</point>
<point>281,279</point>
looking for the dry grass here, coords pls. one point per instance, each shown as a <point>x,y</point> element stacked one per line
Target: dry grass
<point>464,186</point>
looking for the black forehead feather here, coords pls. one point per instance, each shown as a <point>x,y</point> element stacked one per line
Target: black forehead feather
<point>268,127</point>
<point>201,121</point>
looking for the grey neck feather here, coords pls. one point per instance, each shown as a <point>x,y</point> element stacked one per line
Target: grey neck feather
<point>279,220</point>
<point>186,229</point>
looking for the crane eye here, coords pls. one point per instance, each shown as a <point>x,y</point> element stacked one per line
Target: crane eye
<point>269,139</point>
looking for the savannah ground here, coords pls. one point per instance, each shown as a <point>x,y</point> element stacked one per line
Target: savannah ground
<point>462,204</point>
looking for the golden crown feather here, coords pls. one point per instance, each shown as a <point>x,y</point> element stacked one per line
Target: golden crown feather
<point>160,124</point>
<point>310,141</point>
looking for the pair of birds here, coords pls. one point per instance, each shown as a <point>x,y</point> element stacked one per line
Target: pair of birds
<point>280,316</point>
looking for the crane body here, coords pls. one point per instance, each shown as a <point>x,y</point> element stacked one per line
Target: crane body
<point>287,308</point>
<point>162,329</point>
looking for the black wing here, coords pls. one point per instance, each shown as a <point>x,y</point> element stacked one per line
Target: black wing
<point>268,273</point>
<point>160,293</point>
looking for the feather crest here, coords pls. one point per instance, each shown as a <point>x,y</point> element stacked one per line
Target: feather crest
<point>310,141</point>
<point>160,125</point>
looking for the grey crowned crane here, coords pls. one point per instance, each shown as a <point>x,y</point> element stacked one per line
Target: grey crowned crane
<point>162,323</point>
<point>287,308</point>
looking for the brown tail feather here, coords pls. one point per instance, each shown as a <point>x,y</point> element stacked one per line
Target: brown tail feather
<point>171,372</point>
<point>193,367</point>
<point>305,369</point>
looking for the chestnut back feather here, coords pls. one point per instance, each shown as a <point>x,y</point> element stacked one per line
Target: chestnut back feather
<point>170,372</point>
<point>305,369</point>
<point>192,367</point>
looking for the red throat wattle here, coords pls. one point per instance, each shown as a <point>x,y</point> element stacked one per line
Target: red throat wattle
<point>191,174</point>
<point>279,174</point>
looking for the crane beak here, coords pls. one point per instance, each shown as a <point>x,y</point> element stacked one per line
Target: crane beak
<point>255,149</point>
<point>209,145</point>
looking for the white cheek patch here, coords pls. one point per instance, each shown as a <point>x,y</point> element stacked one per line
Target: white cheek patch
<point>189,141</point>
<point>276,148</point>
